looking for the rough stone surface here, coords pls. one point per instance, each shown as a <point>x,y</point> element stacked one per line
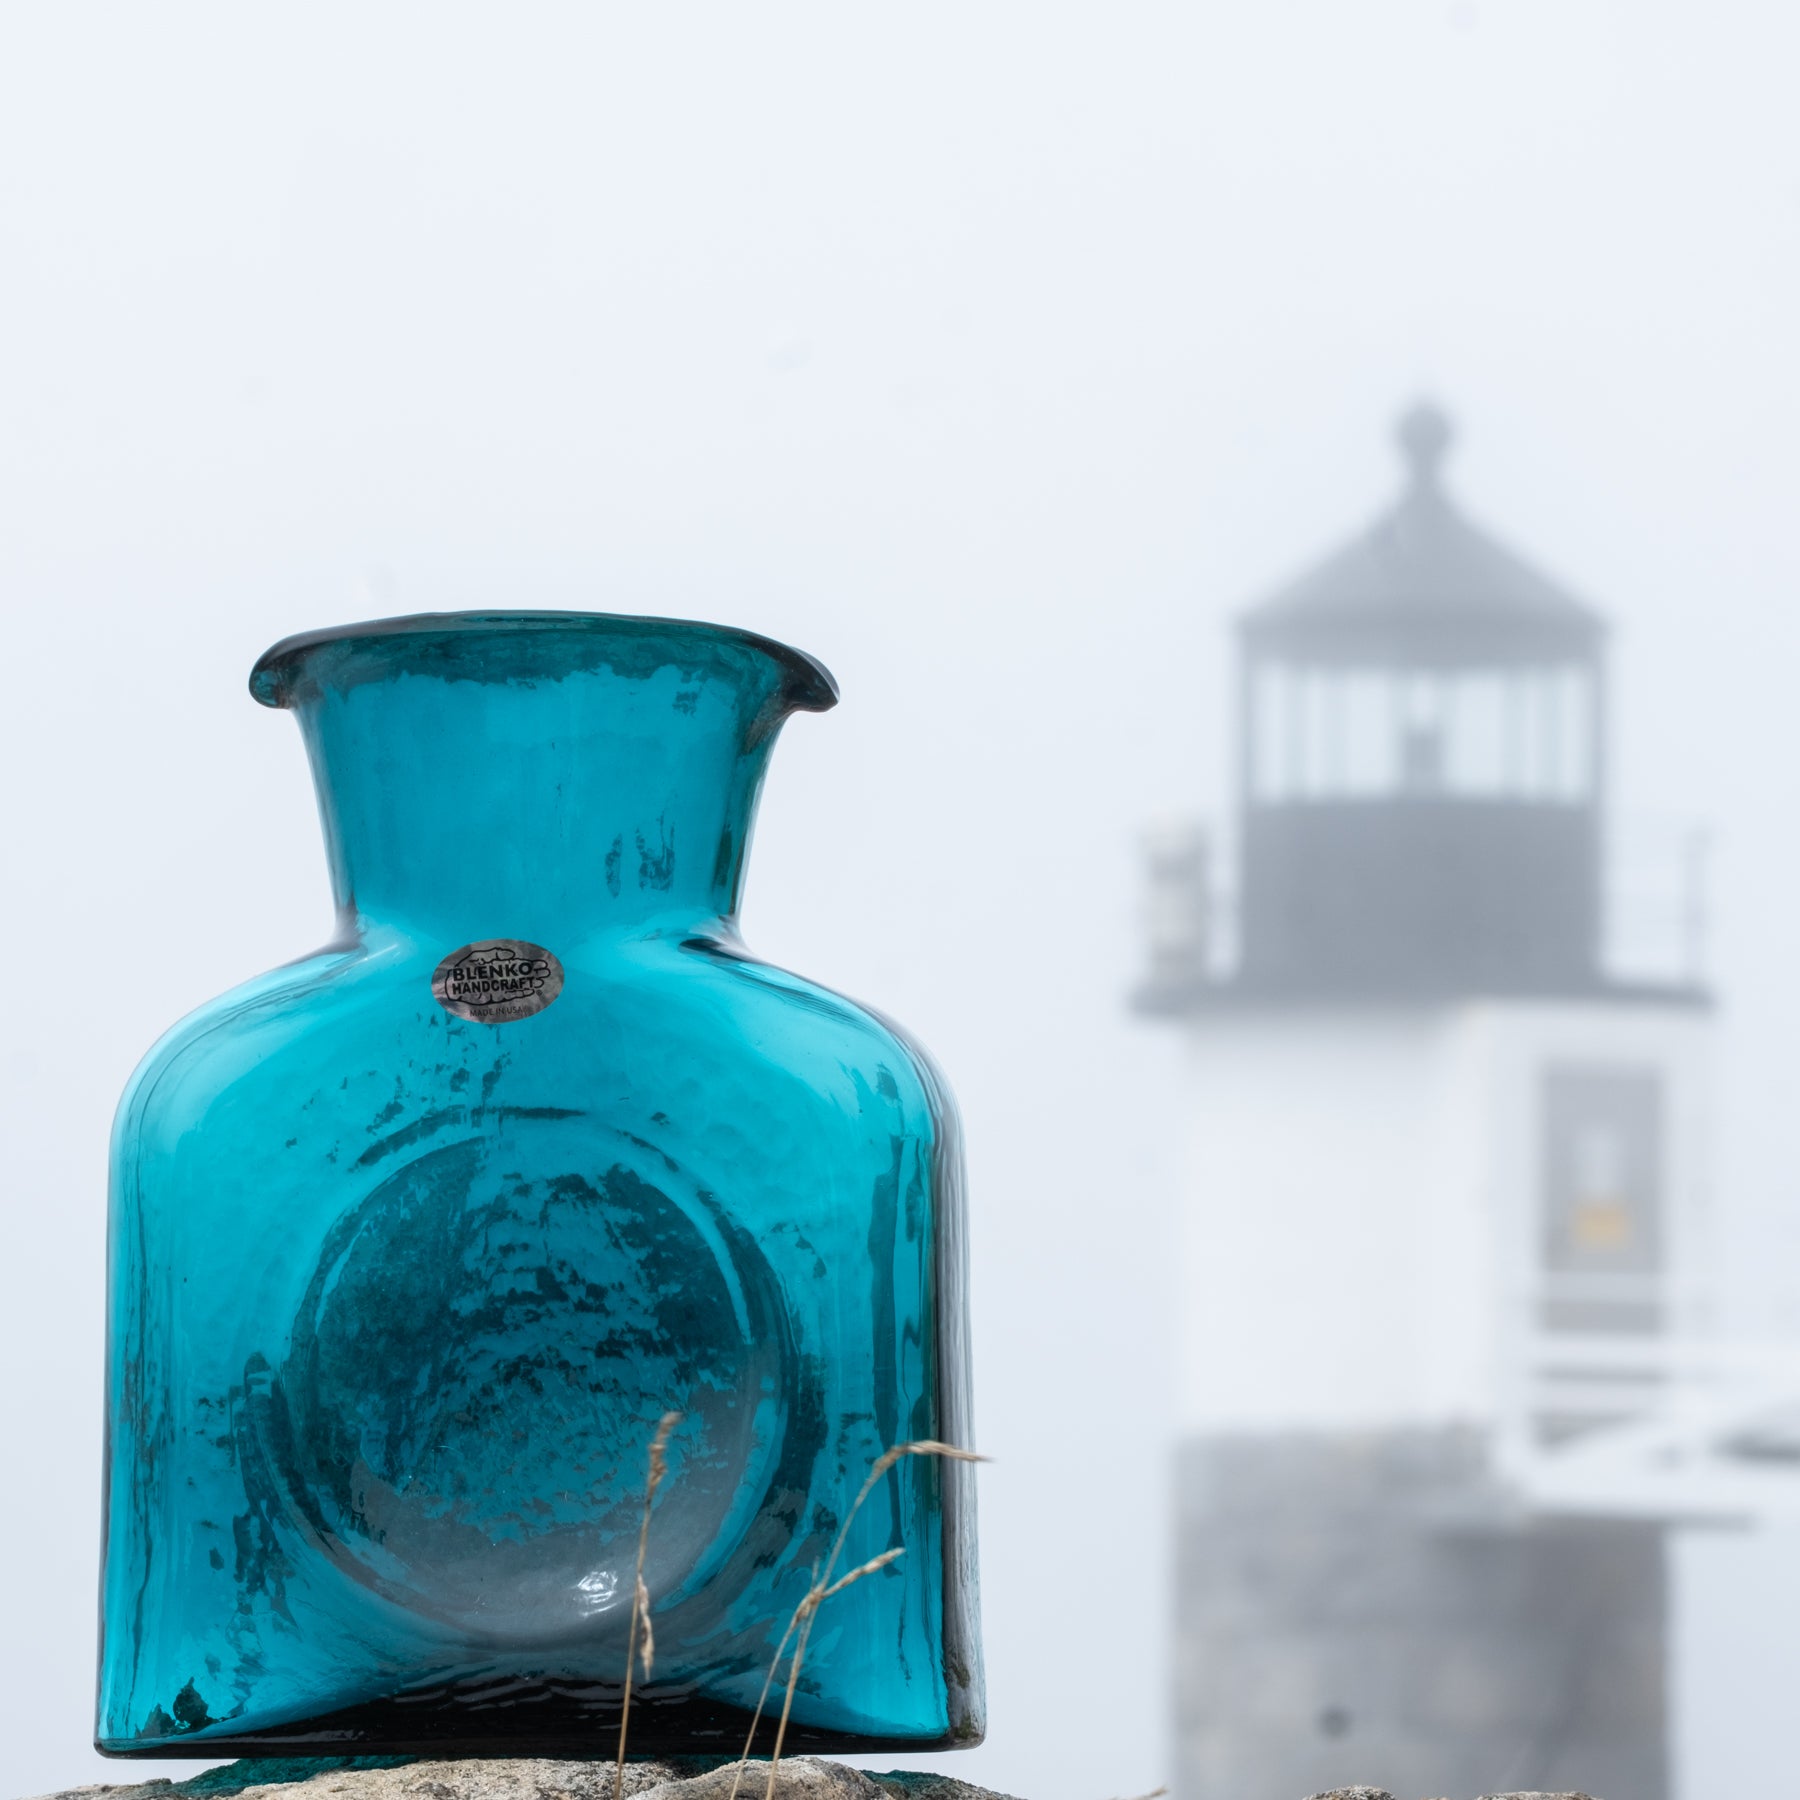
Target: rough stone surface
<point>1373,1793</point>
<point>522,1778</point>
<point>537,1778</point>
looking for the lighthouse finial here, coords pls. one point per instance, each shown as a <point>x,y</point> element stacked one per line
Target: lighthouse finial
<point>1424,433</point>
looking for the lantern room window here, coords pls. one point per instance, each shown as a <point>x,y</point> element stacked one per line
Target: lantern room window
<point>1332,733</point>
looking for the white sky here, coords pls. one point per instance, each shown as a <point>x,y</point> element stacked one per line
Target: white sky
<point>994,354</point>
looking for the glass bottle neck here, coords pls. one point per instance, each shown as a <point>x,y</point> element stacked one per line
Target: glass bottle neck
<point>546,806</point>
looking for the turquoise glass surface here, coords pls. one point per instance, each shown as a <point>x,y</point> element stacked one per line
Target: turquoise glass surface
<point>414,1240</point>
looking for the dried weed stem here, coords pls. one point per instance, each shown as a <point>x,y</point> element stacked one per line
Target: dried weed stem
<point>640,1596</point>
<point>822,1589</point>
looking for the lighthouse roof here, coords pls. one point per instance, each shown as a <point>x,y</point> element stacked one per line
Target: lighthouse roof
<point>1424,584</point>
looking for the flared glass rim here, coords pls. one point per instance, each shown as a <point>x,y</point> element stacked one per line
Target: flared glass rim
<point>288,671</point>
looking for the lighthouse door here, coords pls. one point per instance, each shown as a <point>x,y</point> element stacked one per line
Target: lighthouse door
<point>1603,1200</point>
<point>1602,1243</point>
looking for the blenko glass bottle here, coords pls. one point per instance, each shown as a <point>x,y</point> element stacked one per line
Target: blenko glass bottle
<point>414,1240</point>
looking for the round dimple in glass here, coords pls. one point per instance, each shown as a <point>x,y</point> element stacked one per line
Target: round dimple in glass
<point>475,1369</point>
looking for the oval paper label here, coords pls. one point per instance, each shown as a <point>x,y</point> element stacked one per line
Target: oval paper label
<point>497,980</point>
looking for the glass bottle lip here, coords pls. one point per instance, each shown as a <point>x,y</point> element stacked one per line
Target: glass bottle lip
<point>540,645</point>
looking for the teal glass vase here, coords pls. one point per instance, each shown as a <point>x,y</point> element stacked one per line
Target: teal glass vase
<point>415,1240</point>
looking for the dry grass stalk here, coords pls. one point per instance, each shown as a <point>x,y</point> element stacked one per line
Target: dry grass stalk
<point>822,1589</point>
<point>640,1595</point>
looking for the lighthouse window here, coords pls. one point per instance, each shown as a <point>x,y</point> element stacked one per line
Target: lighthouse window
<point>1424,728</point>
<point>1601,1218</point>
<point>1548,729</point>
<point>1338,733</point>
<point>1478,744</point>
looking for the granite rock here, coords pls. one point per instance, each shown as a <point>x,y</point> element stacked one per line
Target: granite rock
<point>531,1778</point>
<point>1372,1793</point>
<point>1353,1793</point>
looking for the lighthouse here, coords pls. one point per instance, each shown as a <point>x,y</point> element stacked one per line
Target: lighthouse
<point>1446,1202</point>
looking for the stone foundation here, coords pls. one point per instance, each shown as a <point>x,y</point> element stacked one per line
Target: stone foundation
<point>1379,1605</point>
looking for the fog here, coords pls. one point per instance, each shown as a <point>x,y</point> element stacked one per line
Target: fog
<point>997,357</point>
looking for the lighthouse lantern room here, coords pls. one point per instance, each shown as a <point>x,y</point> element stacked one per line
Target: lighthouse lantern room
<point>1422,764</point>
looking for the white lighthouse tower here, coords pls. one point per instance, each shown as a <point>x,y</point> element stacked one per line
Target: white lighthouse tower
<point>1447,1213</point>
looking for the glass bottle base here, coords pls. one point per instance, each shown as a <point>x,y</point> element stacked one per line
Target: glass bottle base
<point>517,1717</point>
